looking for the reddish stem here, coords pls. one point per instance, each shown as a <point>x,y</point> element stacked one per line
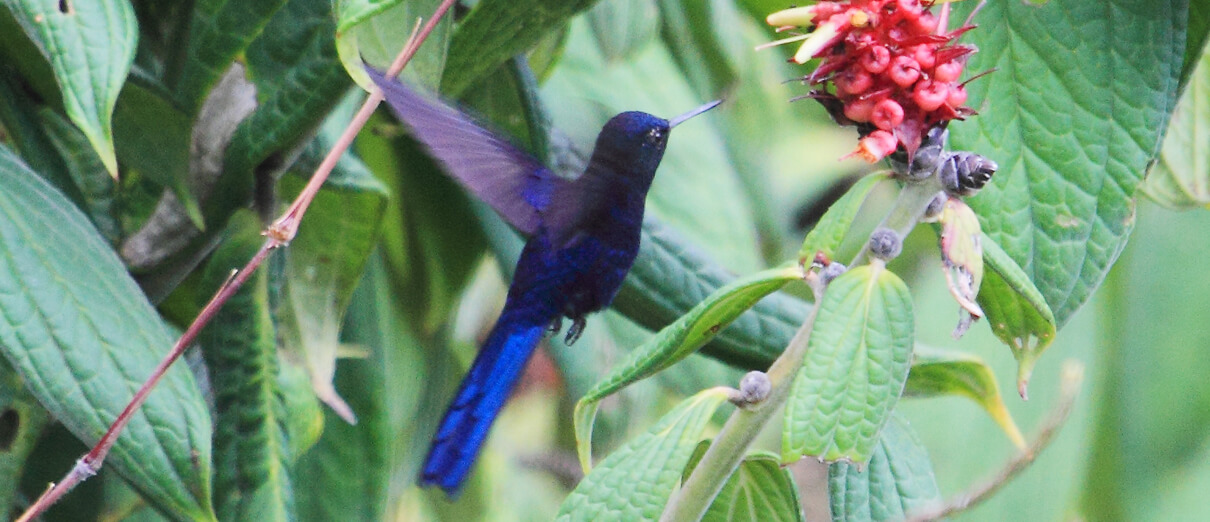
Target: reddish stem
<point>279,234</point>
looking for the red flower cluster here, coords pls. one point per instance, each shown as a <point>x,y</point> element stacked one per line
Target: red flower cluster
<point>893,66</point>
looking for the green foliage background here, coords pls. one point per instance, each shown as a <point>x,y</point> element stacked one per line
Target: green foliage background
<point>400,274</point>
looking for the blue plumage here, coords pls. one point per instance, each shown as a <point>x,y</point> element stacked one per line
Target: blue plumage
<point>584,236</point>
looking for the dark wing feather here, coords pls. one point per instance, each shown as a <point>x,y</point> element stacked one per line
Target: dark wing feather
<point>511,181</point>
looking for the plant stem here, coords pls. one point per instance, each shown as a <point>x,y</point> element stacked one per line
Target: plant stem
<point>731,445</point>
<point>906,212</point>
<point>279,235</point>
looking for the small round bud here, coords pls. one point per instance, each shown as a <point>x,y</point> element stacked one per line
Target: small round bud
<point>933,211</point>
<point>885,244</point>
<point>755,386</point>
<point>830,272</point>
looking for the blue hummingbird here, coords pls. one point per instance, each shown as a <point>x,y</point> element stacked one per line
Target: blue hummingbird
<point>583,239</point>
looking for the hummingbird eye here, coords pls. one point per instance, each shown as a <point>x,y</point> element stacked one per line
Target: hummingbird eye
<point>654,135</point>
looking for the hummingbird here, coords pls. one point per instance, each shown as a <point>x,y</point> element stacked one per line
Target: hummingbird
<point>583,238</point>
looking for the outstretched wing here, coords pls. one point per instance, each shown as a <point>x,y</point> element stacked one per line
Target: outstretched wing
<point>511,181</point>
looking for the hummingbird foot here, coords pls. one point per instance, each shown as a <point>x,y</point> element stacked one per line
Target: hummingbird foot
<point>573,333</point>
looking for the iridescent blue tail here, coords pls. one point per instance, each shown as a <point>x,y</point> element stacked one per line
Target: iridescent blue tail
<point>483,391</point>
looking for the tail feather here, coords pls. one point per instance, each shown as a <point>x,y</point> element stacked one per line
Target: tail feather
<point>480,397</point>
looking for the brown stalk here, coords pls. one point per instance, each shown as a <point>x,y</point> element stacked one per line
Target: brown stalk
<point>277,235</point>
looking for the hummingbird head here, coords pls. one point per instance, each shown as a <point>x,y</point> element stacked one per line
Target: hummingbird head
<point>632,143</point>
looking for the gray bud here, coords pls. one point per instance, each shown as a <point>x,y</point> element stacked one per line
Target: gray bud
<point>754,388</point>
<point>964,173</point>
<point>830,272</point>
<point>885,244</point>
<point>933,211</point>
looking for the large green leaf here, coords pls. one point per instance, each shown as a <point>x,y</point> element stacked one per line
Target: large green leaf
<point>1016,310</point>
<point>898,479</point>
<point>1182,177</point>
<point>222,29</point>
<point>947,372</point>
<point>634,482</point>
<point>240,348</point>
<point>22,122</point>
<point>856,365</point>
<point>325,261</point>
<point>371,32</point>
<point>90,46</point>
<point>760,490</point>
<point>354,462</point>
<point>96,189</point>
<point>298,81</point>
<point>623,28</point>
<point>830,232</point>
<point>82,335</point>
<point>677,341</point>
<point>497,30</point>
<point>154,140</point>
<point>1073,116</point>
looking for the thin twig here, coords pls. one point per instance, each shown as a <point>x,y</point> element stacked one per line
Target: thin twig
<point>278,235</point>
<point>1069,386</point>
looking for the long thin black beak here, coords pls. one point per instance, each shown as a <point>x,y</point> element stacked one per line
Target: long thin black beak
<point>681,119</point>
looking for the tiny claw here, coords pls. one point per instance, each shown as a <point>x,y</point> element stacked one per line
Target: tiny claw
<point>556,325</point>
<point>573,333</point>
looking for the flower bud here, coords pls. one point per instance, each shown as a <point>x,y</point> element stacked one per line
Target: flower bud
<point>885,244</point>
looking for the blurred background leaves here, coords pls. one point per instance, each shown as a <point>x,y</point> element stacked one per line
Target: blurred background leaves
<point>736,193</point>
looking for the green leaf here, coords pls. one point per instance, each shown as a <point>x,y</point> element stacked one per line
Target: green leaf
<point>373,32</point>
<point>21,422</point>
<point>1015,309</point>
<point>24,130</point>
<point>671,276</point>
<point>857,362</point>
<point>1073,116</point>
<point>1195,42</point>
<point>495,31</point>
<point>1181,179</point>
<point>325,261</point>
<point>86,171</point>
<point>635,481</point>
<point>943,372</point>
<point>677,341</point>
<point>623,27</point>
<point>898,480</point>
<point>251,481</point>
<point>299,80</point>
<point>221,30</point>
<point>690,29</point>
<point>760,490</point>
<point>829,233</point>
<point>154,139</point>
<point>90,46</point>
<point>84,338</point>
